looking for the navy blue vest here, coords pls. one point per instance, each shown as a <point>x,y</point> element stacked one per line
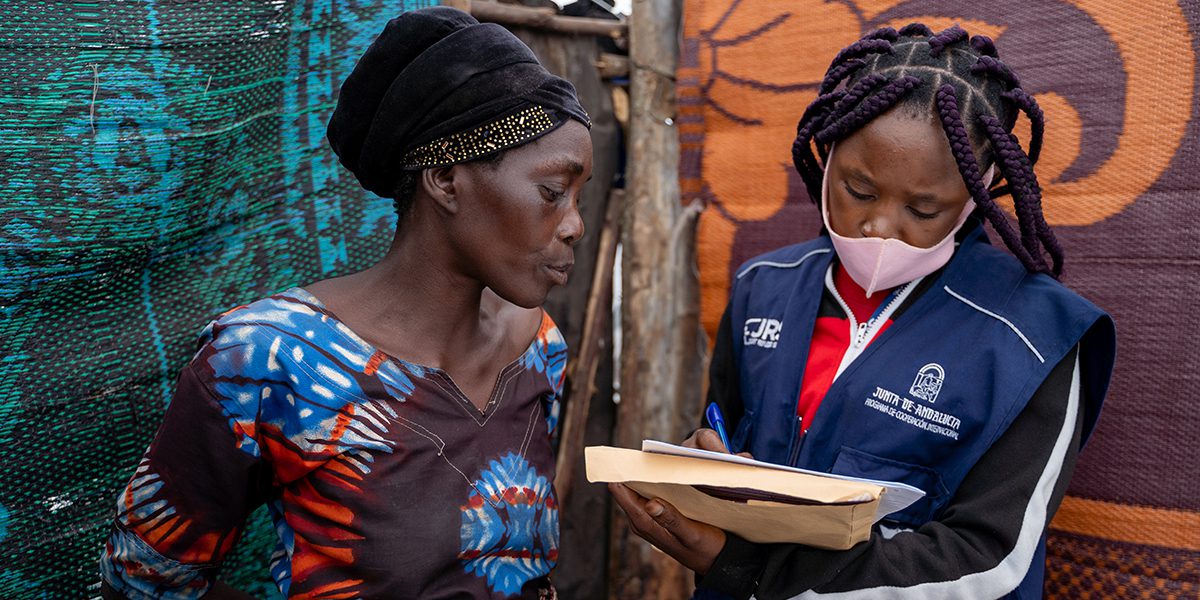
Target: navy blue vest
<point>930,394</point>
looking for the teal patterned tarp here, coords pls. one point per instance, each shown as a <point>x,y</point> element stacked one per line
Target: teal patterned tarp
<point>160,162</point>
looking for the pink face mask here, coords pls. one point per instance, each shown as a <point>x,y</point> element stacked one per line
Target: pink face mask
<point>881,264</point>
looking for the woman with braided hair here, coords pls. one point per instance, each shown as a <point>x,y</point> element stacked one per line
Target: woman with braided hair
<point>901,345</point>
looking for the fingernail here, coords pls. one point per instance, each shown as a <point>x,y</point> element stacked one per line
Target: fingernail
<point>654,508</point>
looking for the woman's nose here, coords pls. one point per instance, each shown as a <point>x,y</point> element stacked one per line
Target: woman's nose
<point>877,225</point>
<point>571,229</point>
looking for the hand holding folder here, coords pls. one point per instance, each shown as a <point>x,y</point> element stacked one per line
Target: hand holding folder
<point>761,502</point>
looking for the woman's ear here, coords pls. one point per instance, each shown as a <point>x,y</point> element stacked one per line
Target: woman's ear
<point>439,183</point>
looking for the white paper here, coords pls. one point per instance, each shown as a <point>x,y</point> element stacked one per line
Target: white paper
<point>896,496</point>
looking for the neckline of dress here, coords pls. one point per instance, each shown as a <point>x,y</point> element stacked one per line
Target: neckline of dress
<point>304,296</point>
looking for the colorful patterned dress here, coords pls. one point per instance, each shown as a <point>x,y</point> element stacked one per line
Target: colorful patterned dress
<point>382,478</point>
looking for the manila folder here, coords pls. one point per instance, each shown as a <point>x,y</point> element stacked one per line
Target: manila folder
<point>761,505</point>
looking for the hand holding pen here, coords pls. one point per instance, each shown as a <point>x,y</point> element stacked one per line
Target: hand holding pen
<point>716,420</point>
<point>715,439</point>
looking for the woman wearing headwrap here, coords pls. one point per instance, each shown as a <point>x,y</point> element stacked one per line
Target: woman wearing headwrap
<point>396,421</point>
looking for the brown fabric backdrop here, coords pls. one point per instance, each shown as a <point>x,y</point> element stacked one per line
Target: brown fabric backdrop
<point>1117,80</point>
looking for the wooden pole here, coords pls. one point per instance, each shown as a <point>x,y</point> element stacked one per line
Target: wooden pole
<point>662,347</point>
<point>584,364</point>
<point>538,18</point>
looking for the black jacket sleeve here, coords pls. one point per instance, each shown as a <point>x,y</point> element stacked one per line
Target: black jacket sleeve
<point>723,386</point>
<point>980,546</point>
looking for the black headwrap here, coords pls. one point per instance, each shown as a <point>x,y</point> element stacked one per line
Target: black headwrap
<point>438,87</point>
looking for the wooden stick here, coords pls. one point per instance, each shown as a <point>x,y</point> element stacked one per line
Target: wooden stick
<point>583,367</point>
<point>539,18</point>
<point>612,65</point>
<point>660,359</point>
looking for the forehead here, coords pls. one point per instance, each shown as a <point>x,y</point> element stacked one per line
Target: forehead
<point>569,144</point>
<point>908,150</point>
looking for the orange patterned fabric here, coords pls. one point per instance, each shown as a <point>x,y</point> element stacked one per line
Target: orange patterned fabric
<point>1082,568</point>
<point>1118,83</point>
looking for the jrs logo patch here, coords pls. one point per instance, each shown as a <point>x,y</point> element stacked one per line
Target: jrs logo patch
<point>761,332</point>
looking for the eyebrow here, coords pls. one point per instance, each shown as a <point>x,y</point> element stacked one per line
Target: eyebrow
<point>921,197</point>
<point>572,166</point>
<point>924,198</point>
<point>856,174</point>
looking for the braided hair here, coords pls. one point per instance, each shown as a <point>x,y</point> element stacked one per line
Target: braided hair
<point>975,97</point>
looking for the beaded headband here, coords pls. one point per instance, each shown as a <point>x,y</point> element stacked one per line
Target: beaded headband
<point>489,138</point>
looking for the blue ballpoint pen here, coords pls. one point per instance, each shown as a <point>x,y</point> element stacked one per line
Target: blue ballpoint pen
<point>717,421</point>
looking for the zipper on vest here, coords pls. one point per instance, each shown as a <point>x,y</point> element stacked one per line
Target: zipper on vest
<point>797,442</point>
<point>873,326</point>
<point>861,333</point>
<point>856,329</point>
